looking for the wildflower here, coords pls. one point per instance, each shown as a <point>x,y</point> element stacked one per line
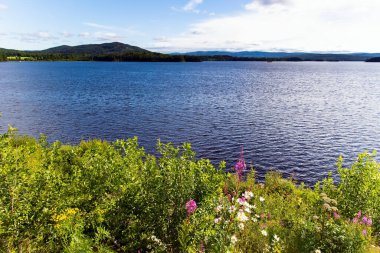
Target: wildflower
<point>240,165</point>
<point>247,205</point>
<point>359,214</point>
<point>264,232</point>
<point>326,206</point>
<point>254,219</point>
<point>336,215</point>
<point>248,195</point>
<point>247,210</point>
<point>241,226</point>
<point>219,208</point>
<point>261,199</point>
<point>317,251</point>
<point>191,206</point>
<point>241,216</point>
<point>202,247</point>
<point>232,209</point>
<point>234,239</point>
<point>369,222</point>
<point>276,238</point>
<point>241,200</point>
<point>355,220</point>
<point>217,220</point>
<point>326,200</point>
<point>364,232</point>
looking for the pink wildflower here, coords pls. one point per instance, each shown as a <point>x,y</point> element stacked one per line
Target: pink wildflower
<point>202,247</point>
<point>355,220</point>
<point>364,232</point>
<point>240,165</point>
<point>241,200</point>
<point>336,215</point>
<point>369,222</point>
<point>365,219</point>
<point>359,214</point>
<point>191,206</point>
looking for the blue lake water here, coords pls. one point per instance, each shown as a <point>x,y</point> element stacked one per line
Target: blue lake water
<point>293,117</point>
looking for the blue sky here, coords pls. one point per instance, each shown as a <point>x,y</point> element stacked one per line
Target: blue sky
<point>187,25</point>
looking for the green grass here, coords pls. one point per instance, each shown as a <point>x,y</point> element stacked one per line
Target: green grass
<point>17,58</point>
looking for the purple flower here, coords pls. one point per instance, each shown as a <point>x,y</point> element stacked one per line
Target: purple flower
<point>240,165</point>
<point>365,219</point>
<point>364,232</point>
<point>241,200</point>
<point>336,215</point>
<point>369,222</point>
<point>359,214</point>
<point>191,206</point>
<point>202,247</point>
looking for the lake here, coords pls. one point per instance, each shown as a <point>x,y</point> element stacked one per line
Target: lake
<point>293,117</point>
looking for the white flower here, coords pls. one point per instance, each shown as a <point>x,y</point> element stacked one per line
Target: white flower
<point>248,195</point>
<point>232,209</point>
<point>317,251</point>
<point>261,199</point>
<point>241,201</point>
<point>276,238</point>
<point>241,226</point>
<point>247,205</point>
<point>217,220</point>
<point>234,239</point>
<point>254,219</point>
<point>247,210</point>
<point>257,216</point>
<point>264,232</point>
<point>219,208</point>
<point>241,216</point>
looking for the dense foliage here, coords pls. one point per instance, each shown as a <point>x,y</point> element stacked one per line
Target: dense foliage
<point>114,197</point>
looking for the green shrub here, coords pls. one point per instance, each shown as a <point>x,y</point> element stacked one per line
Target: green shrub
<point>114,197</point>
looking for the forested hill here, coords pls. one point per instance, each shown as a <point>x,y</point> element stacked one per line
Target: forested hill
<point>375,59</point>
<point>95,49</point>
<point>115,51</point>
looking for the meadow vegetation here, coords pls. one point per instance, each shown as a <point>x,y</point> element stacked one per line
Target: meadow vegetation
<point>114,197</point>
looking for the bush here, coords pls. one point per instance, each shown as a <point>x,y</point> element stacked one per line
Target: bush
<point>113,197</point>
<point>96,196</point>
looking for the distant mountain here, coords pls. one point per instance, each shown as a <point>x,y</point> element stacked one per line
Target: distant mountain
<point>303,56</point>
<point>374,59</point>
<point>255,54</point>
<point>115,51</point>
<point>95,49</point>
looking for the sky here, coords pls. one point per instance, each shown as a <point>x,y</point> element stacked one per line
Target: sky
<point>194,25</point>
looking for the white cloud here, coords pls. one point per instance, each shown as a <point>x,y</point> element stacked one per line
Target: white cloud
<point>293,25</point>
<point>253,5</point>
<point>102,36</point>
<point>99,26</point>
<point>35,37</point>
<point>84,34</point>
<point>192,5</point>
<point>3,7</point>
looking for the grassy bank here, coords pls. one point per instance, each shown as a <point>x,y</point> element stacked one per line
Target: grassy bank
<point>114,197</point>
